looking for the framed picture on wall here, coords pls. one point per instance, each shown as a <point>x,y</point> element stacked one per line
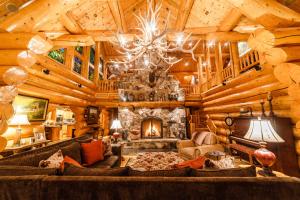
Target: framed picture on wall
<point>34,107</point>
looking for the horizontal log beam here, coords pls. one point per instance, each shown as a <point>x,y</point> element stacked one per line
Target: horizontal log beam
<point>283,54</point>
<point>74,40</point>
<point>263,40</point>
<point>63,71</point>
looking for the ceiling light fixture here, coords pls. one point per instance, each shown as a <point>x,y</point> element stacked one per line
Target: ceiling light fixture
<point>153,42</point>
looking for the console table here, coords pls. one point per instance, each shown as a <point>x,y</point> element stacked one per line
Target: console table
<point>18,149</point>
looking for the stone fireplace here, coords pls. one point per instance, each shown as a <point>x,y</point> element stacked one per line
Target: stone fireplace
<point>151,127</point>
<point>156,124</point>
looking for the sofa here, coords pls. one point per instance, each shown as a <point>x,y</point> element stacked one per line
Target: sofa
<point>21,179</point>
<point>69,148</point>
<point>193,148</point>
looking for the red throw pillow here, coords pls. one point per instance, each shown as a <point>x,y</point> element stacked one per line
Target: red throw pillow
<point>70,160</point>
<point>196,163</point>
<point>92,152</point>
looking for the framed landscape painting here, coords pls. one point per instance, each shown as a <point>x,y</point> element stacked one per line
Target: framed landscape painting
<point>34,107</point>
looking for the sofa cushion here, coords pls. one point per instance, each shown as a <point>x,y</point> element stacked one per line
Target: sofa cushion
<point>233,172</point>
<point>195,163</point>
<point>8,170</point>
<point>107,146</point>
<point>73,150</point>
<point>200,138</point>
<point>182,172</point>
<point>54,161</point>
<point>210,139</point>
<point>92,152</point>
<point>71,170</point>
<point>188,152</point>
<point>108,162</point>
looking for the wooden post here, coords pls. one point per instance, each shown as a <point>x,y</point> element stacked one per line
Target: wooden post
<point>219,62</point>
<point>200,70</point>
<point>69,57</point>
<point>208,64</point>
<point>97,62</point>
<point>85,62</point>
<point>234,56</point>
<point>105,72</point>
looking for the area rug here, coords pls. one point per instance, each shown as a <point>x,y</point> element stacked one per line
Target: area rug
<point>150,161</point>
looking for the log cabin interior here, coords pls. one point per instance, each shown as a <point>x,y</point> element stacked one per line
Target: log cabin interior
<point>149,99</point>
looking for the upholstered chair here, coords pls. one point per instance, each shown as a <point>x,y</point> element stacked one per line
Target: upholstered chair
<point>198,145</point>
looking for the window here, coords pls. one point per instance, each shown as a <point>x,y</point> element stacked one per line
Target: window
<point>79,49</point>
<point>243,48</point>
<point>101,69</point>
<point>91,72</point>
<point>77,65</point>
<point>58,55</point>
<point>92,56</point>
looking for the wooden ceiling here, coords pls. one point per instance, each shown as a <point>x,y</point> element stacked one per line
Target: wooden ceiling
<point>101,19</point>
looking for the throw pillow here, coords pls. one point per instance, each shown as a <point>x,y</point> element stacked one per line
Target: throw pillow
<point>107,146</point>
<point>233,172</point>
<point>71,161</point>
<point>210,139</point>
<point>71,170</point>
<point>182,172</point>
<point>194,136</point>
<point>199,140</point>
<point>54,161</point>
<point>195,164</point>
<point>92,152</point>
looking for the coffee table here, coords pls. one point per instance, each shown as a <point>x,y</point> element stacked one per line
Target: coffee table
<point>150,161</point>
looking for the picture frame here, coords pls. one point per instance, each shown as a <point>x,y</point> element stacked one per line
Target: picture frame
<point>35,107</point>
<point>92,115</point>
<point>39,136</point>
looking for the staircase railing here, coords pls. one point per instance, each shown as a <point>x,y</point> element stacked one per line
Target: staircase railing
<point>107,86</point>
<point>249,60</point>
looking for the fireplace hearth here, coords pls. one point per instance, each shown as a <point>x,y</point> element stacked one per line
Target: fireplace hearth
<point>151,128</point>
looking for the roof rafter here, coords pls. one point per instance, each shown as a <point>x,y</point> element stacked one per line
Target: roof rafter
<point>118,14</point>
<point>183,14</point>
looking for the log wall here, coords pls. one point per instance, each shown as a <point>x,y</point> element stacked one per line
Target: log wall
<point>247,90</point>
<point>61,86</point>
<point>280,48</point>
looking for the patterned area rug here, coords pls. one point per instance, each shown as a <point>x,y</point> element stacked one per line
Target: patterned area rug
<point>150,161</point>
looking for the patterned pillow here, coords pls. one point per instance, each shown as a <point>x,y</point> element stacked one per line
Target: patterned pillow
<point>54,161</point>
<point>107,146</point>
<point>233,172</point>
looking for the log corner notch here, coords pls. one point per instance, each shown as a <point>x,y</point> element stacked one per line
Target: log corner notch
<point>37,43</point>
<point>269,13</point>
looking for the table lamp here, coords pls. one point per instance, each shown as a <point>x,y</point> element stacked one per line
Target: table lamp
<point>19,120</point>
<point>261,130</point>
<point>116,125</point>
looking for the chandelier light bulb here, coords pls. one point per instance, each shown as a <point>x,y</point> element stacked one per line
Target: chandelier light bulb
<point>179,39</point>
<point>186,64</point>
<point>211,43</point>
<point>204,64</point>
<point>122,40</point>
<point>129,56</point>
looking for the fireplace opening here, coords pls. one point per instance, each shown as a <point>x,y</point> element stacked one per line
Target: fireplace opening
<point>152,127</point>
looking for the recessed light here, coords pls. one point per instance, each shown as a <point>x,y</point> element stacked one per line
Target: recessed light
<point>186,64</point>
<point>211,43</point>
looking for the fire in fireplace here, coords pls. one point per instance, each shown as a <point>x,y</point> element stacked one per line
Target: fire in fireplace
<point>152,127</point>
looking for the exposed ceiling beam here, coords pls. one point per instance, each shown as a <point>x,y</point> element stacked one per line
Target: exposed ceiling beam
<point>67,19</point>
<point>227,36</point>
<point>73,40</point>
<point>183,14</point>
<point>135,5</point>
<point>118,15</point>
<point>201,30</point>
<point>268,13</point>
<point>230,20</point>
<point>36,13</point>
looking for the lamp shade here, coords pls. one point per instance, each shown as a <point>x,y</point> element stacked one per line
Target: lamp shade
<point>19,119</point>
<point>261,130</point>
<point>116,124</point>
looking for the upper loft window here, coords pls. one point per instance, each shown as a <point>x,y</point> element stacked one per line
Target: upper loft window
<point>91,72</point>
<point>77,65</point>
<point>92,55</point>
<point>79,49</point>
<point>58,55</point>
<point>243,48</point>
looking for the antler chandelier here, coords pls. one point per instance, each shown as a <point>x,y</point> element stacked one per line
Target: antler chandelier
<point>152,42</point>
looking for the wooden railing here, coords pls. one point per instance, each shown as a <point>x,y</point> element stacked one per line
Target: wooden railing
<point>227,73</point>
<point>107,86</point>
<point>249,60</point>
<point>192,89</point>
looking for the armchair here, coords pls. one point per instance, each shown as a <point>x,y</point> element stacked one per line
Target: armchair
<point>190,149</point>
